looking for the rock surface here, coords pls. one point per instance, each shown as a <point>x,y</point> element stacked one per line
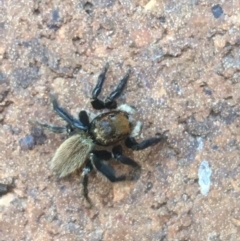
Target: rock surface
<point>184,59</point>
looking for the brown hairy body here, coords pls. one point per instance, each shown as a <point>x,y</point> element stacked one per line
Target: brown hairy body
<point>71,154</point>
<point>110,128</point>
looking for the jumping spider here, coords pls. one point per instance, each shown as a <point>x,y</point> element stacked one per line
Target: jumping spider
<point>106,129</point>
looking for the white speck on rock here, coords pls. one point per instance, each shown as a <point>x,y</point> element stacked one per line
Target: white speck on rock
<point>200,143</point>
<point>204,177</point>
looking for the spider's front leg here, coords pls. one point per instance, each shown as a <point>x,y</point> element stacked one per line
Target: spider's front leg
<point>109,102</point>
<point>96,103</point>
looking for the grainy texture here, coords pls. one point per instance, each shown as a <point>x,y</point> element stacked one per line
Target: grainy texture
<point>184,57</point>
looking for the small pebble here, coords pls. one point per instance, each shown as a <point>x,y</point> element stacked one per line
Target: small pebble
<point>217,11</point>
<point>1,118</point>
<point>204,177</point>
<point>27,143</point>
<point>38,135</point>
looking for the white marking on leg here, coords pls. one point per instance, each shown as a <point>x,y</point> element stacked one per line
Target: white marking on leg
<point>127,108</point>
<point>137,129</point>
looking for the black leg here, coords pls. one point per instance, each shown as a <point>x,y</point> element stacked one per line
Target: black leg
<point>4,188</point>
<point>66,116</point>
<point>131,142</point>
<point>96,91</point>
<point>106,170</point>
<point>83,117</point>
<point>102,154</point>
<point>50,127</point>
<point>117,154</point>
<point>96,103</point>
<point>110,102</point>
<point>84,181</point>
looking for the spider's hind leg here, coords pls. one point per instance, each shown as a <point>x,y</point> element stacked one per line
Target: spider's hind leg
<point>84,181</point>
<point>105,170</point>
<point>50,127</point>
<point>120,157</point>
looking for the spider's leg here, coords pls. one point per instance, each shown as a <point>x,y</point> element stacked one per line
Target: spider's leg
<point>5,188</point>
<point>110,102</point>
<point>49,127</point>
<point>132,144</point>
<point>83,117</point>
<point>117,154</point>
<point>66,116</point>
<point>84,181</point>
<point>102,154</point>
<point>96,103</point>
<point>105,170</point>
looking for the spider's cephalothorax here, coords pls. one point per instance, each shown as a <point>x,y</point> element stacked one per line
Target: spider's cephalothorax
<point>110,128</point>
<point>106,129</point>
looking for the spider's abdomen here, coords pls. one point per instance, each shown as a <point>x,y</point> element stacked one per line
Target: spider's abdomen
<point>110,127</point>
